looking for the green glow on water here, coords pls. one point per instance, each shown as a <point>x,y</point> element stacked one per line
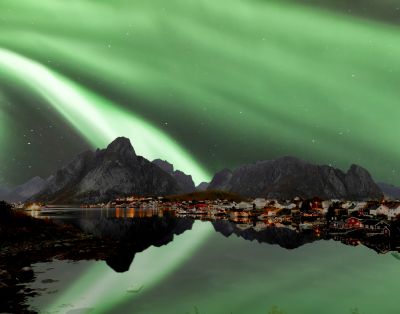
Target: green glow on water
<point>233,275</point>
<point>102,289</point>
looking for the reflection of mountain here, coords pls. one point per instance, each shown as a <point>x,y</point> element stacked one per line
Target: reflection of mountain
<point>284,237</point>
<point>134,235</point>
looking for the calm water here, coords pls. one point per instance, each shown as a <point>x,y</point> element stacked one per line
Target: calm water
<point>182,266</point>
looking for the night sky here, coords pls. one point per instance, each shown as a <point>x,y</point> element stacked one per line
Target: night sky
<point>204,84</point>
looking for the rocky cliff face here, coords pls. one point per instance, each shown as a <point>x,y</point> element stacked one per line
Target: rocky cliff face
<point>103,175</point>
<point>221,181</point>
<point>185,181</point>
<point>289,177</point>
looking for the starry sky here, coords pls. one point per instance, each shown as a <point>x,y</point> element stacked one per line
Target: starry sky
<point>204,84</point>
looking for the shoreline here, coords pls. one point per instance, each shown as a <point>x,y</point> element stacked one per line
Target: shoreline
<point>26,241</point>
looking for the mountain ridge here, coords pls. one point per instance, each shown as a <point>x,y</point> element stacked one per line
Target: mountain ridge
<point>99,176</point>
<point>184,180</point>
<point>289,177</point>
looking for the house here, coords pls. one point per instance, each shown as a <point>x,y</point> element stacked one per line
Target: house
<point>291,206</point>
<point>245,206</point>
<point>383,227</point>
<point>260,203</point>
<point>394,210</point>
<point>353,223</point>
<point>376,226</point>
<point>316,204</point>
<point>325,206</point>
<point>382,210</point>
<point>360,205</point>
<point>369,224</point>
<point>370,209</point>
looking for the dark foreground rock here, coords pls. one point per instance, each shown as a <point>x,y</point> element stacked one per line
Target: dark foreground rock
<point>25,241</point>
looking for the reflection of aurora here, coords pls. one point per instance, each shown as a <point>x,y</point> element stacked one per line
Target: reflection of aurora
<point>101,288</point>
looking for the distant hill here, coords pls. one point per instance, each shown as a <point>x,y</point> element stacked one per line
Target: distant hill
<point>100,176</point>
<point>184,180</point>
<point>3,192</point>
<point>203,186</point>
<point>288,177</point>
<point>24,191</point>
<point>390,191</point>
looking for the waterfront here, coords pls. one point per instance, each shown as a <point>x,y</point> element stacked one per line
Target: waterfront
<point>211,267</point>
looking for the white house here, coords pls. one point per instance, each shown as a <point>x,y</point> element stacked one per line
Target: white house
<point>260,203</point>
<point>393,211</point>
<point>245,205</point>
<point>381,210</point>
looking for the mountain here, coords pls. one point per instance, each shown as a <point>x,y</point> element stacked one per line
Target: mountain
<point>203,186</point>
<point>24,191</point>
<point>288,177</point>
<point>221,180</point>
<point>100,176</point>
<point>390,191</point>
<point>185,181</point>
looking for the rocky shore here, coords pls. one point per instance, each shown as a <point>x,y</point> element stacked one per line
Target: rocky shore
<point>25,241</point>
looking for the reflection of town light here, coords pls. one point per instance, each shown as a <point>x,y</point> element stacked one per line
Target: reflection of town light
<point>119,213</point>
<point>130,213</point>
<point>35,213</point>
<point>33,206</point>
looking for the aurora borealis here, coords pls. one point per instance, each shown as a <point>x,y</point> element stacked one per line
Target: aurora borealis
<point>204,84</point>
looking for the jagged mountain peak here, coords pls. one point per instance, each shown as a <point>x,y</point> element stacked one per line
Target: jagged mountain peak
<point>105,174</point>
<point>121,146</point>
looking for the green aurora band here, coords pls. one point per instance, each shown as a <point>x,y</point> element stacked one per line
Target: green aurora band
<point>227,76</point>
<point>97,119</point>
<point>235,81</point>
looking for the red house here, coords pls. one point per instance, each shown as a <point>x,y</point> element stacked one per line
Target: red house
<point>316,203</point>
<point>353,223</point>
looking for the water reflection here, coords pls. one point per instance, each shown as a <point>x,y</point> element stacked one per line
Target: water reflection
<point>234,271</point>
<point>144,227</point>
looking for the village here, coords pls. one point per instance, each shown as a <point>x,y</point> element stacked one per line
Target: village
<point>340,217</point>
